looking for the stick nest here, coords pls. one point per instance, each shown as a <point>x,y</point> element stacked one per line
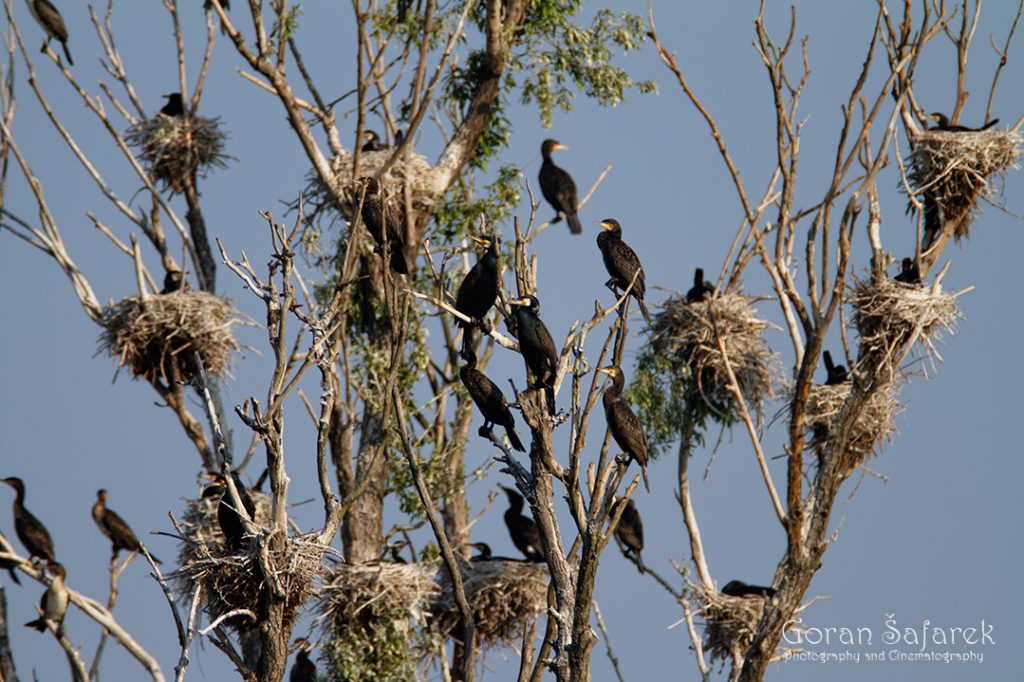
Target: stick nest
<point>233,579</point>
<point>353,593</point>
<point>730,624</point>
<point>685,332</point>
<point>174,148</point>
<point>957,168</point>
<point>504,596</point>
<point>887,315</point>
<point>155,338</point>
<point>874,426</point>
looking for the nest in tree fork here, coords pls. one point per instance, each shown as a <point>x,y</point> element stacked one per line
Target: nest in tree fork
<point>233,579</point>
<point>874,427</point>
<point>957,168</point>
<point>175,148</point>
<point>887,315</point>
<point>686,333</point>
<point>156,338</point>
<point>730,624</point>
<point>504,596</point>
<point>355,593</point>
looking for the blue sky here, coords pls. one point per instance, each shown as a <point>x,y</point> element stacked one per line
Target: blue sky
<point>934,542</point>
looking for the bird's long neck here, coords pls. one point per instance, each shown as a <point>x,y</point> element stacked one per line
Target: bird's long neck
<point>515,507</point>
<point>19,495</point>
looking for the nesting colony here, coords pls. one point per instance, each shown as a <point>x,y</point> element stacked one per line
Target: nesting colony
<point>174,149</point>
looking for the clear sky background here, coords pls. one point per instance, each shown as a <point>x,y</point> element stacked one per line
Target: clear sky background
<point>939,541</point>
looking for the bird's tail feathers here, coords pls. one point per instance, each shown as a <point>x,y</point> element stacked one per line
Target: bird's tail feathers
<point>67,53</point>
<point>639,562</point>
<point>647,484</point>
<point>646,314</point>
<point>574,223</point>
<point>513,438</point>
<point>39,624</point>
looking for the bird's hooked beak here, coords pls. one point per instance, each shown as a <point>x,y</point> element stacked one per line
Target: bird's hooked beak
<point>604,224</point>
<point>482,241</point>
<point>559,147</point>
<point>524,301</point>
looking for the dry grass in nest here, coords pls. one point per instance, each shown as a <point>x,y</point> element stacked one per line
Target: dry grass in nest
<point>685,332</point>
<point>353,593</point>
<point>888,313</point>
<point>155,338</point>
<point>957,168</point>
<point>504,596</point>
<point>874,427</point>
<point>730,624</point>
<point>233,579</point>
<point>174,147</point>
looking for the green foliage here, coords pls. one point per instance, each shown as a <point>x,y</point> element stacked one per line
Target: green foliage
<point>381,648</point>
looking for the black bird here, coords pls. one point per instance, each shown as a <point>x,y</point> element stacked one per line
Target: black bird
<point>226,4</point>
<point>30,530</point>
<point>54,603</point>
<point>175,106</point>
<point>114,527</point>
<point>537,346</point>
<point>942,123</point>
<point>558,188</point>
<point>372,142</point>
<point>10,565</point>
<point>304,670</point>
<point>622,263</point>
<point>627,430</point>
<point>379,213</point>
<point>173,281</point>
<point>231,523</point>
<point>909,272</point>
<point>523,529</point>
<point>484,551</point>
<point>47,16</point>
<point>479,288</point>
<point>488,397</point>
<point>738,588</point>
<point>630,532</point>
<point>836,374</point>
<point>700,289</point>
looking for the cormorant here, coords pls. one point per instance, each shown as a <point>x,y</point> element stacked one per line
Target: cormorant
<point>304,670</point>
<point>558,188</point>
<point>377,213</point>
<point>942,123</point>
<point>479,288</point>
<point>226,4</point>
<point>536,345</point>
<point>738,588</point>
<point>114,527</point>
<point>627,430</point>
<point>173,281</point>
<point>30,530</point>
<point>231,523</point>
<point>175,107</point>
<point>47,16</point>
<point>701,289</point>
<point>54,603</point>
<point>484,551</point>
<point>630,531</point>
<point>909,272</point>
<point>488,397</point>
<point>622,263</point>
<point>523,529</point>
<point>372,142</point>
<point>836,374</point>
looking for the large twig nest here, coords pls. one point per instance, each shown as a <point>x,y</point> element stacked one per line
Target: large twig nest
<point>173,148</point>
<point>889,314</point>
<point>874,426</point>
<point>233,579</point>
<point>504,596</point>
<point>955,169</point>
<point>730,624</point>
<point>686,333</point>
<point>156,338</point>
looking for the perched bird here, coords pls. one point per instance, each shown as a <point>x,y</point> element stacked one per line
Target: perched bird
<point>114,527</point>
<point>372,143</point>
<point>484,551</point>
<point>304,670</point>
<point>488,398</point>
<point>393,552</point>
<point>537,346</point>
<point>523,529</point>
<point>558,188</point>
<point>627,430</point>
<point>836,374</point>
<point>700,289</point>
<point>909,272</point>
<point>175,106</point>
<point>173,281</point>
<point>479,288</point>
<point>30,530</point>
<point>54,603</point>
<point>47,16</point>
<point>231,523</point>
<point>942,123</point>
<point>226,4</point>
<point>738,588</point>
<point>630,531</point>
<point>10,565</point>
<point>379,214</point>
<point>622,263</point>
